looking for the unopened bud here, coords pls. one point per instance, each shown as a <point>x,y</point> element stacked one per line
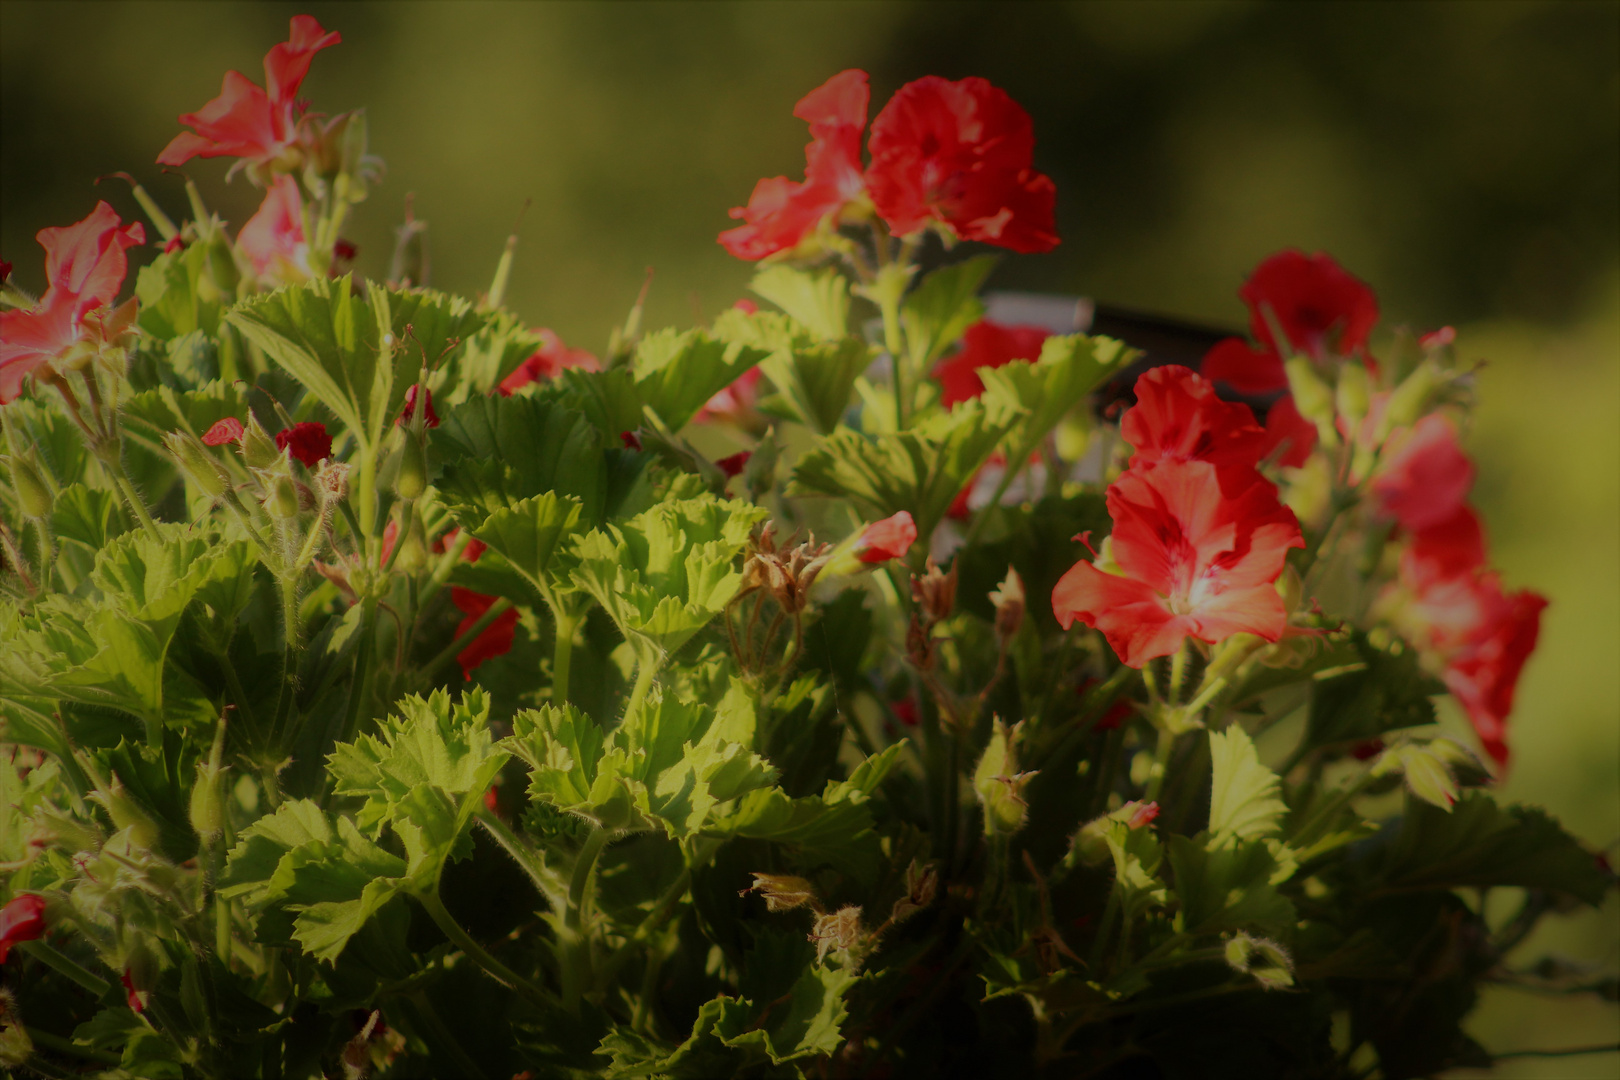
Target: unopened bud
<point>783,892</point>
<point>208,794</point>
<point>1312,397</point>
<point>282,499</point>
<point>126,813</point>
<point>1008,599</point>
<point>922,882</point>
<point>33,495</point>
<point>935,593</point>
<point>259,450</point>
<point>1090,845</point>
<point>1353,395</point>
<point>998,783</point>
<point>411,479</point>
<point>197,464</point>
<point>1408,401</point>
<point>1267,961</point>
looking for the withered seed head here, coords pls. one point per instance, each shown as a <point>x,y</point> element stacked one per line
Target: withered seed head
<point>935,593</point>
<point>783,892</point>
<point>1009,601</point>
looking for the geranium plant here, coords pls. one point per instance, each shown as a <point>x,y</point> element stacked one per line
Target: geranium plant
<point>390,688</point>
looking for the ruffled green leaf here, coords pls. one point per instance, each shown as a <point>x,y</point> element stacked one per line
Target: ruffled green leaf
<point>942,307</point>
<point>1069,368</point>
<point>817,300</point>
<point>677,372</point>
<point>1244,803</point>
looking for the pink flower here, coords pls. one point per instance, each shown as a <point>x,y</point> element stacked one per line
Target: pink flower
<point>23,919</point>
<point>273,238</point>
<point>547,362</point>
<point>1425,480</point>
<point>1197,562</point>
<point>985,344</point>
<point>308,441</point>
<point>1143,815</point>
<point>781,212</point>
<point>1178,417</point>
<point>223,431</point>
<point>888,539</point>
<point>496,639</point>
<point>85,266</point>
<point>245,121</point>
<point>959,154</point>
<point>1320,308</point>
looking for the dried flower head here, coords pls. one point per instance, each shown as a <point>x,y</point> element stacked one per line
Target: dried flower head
<point>783,892</point>
<point>840,930</point>
<point>1009,602</point>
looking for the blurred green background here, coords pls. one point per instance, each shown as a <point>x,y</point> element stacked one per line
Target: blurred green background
<point>1464,158</point>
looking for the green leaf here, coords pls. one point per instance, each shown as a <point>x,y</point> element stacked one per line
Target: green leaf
<point>182,291</point>
<point>500,451</point>
<point>919,471</point>
<point>1479,843</point>
<point>427,741</point>
<point>148,416</point>
<point>563,748</point>
<point>664,574</point>
<point>1374,689</point>
<point>817,299</point>
<point>87,515</point>
<point>943,306</point>
<point>815,376</point>
<point>529,533</point>
<point>1244,802</point>
<point>809,1023</point>
<point>1068,369</point>
<point>1227,887</point>
<point>490,355</point>
<point>609,400</point>
<point>677,372</point>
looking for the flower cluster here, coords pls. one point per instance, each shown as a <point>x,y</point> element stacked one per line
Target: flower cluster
<point>952,156</point>
<point>1199,536</point>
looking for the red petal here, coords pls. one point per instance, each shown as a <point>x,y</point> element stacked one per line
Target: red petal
<point>223,431</point>
<point>1178,417</point>
<point>888,539</point>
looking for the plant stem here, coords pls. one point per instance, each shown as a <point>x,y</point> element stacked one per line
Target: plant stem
<point>131,497</point>
<point>1178,673</point>
<point>1161,761</point>
<point>547,883</point>
<point>67,1046</point>
<point>65,965</point>
<point>562,656</point>
<point>475,952</point>
<point>646,669</point>
<point>894,342</point>
<point>575,948</point>
<point>367,496</point>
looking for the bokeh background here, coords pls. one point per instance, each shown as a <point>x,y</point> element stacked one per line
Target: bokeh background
<point>1462,157</point>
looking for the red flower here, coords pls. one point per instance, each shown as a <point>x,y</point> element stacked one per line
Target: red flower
<point>1196,562</point>
<point>906,712</point>
<point>959,153</point>
<point>5,271</point>
<point>136,998</point>
<point>21,920</point>
<point>475,547</point>
<point>1425,481</point>
<point>547,362</point>
<point>1288,430</point>
<point>223,431</point>
<point>273,238</point>
<point>781,212</point>
<point>734,463</point>
<point>1143,815</point>
<point>496,640</point>
<point>1178,417</point>
<point>735,403</point>
<point>1320,308</point>
<point>430,417</point>
<point>85,267</point>
<point>1447,549</point>
<point>888,539</point>
<point>985,344</point>
<point>245,121</point>
<point>308,440</point>
<point>631,440</point>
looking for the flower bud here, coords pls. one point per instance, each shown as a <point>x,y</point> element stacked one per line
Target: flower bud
<point>23,919</point>
<point>332,482</point>
<point>998,784</point>
<point>1090,844</point>
<point>1267,961</point>
<point>1008,599</point>
<point>411,479</point>
<point>1353,394</point>
<point>259,450</point>
<point>127,814</point>
<point>1312,397</point>
<point>1408,401</point>
<point>922,882</point>
<point>197,464</point>
<point>33,495</point>
<point>208,794</point>
<point>282,499</point>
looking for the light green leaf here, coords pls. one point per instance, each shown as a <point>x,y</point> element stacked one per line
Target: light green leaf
<point>809,1023</point>
<point>817,299</point>
<point>942,307</point>
<point>1069,368</point>
<point>677,372</point>
<point>529,533</point>
<point>500,451</point>
<point>562,747</point>
<point>148,416</point>
<point>814,376</point>
<point>609,399</point>
<point>88,515</point>
<point>1244,800</point>
<point>919,471</point>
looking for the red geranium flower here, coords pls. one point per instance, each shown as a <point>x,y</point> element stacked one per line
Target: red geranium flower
<point>1319,307</point>
<point>430,417</point>
<point>734,464</point>
<point>1484,674</point>
<point>985,344</point>
<point>308,440</point>
<point>85,266</point>
<point>21,920</point>
<point>496,640</point>
<point>248,122</point>
<point>1178,417</point>
<point>136,998</point>
<point>1197,563</point>
<point>547,362</point>
<point>1288,430</point>
<point>959,153</point>
<point>1448,549</point>
<point>273,238</point>
<point>735,403</point>
<point>223,431</point>
<point>906,712</point>
<point>888,539</point>
<point>781,212</point>
<point>1425,476</point>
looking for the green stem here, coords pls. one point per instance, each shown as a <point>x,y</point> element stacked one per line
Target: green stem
<point>131,497</point>
<point>367,496</point>
<point>475,952</point>
<point>548,883</point>
<point>562,656</point>
<point>65,965</point>
<point>584,864</point>
<point>46,552</point>
<point>1161,761</point>
<point>573,946</point>
<point>67,1046</point>
<point>646,671</point>
<point>894,342</point>
<point>1178,673</point>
